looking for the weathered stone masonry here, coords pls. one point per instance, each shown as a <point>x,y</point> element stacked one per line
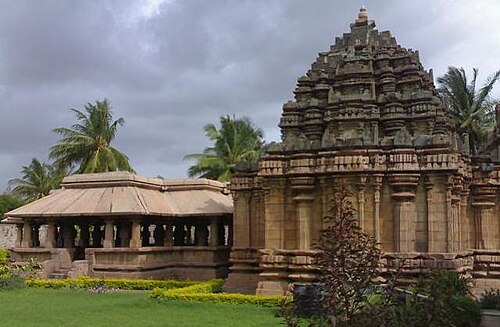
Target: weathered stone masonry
<point>367,114</point>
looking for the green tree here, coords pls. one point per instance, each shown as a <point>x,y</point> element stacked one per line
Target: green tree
<point>472,109</point>
<point>85,147</point>
<point>8,202</point>
<point>37,180</point>
<point>237,140</point>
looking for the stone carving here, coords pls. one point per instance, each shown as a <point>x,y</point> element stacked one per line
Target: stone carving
<point>403,137</point>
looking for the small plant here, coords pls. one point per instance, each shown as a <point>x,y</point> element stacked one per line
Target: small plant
<point>490,299</point>
<point>349,259</point>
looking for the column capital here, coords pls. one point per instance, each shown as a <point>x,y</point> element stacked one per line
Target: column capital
<point>404,186</point>
<point>302,184</point>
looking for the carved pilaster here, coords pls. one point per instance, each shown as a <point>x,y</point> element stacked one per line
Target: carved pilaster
<point>242,219</point>
<point>449,216</point>
<point>436,213</point>
<point>303,201</point>
<point>404,192</point>
<point>275,198</point>
<point>486,224</point>
<point>361,202</point>
<point>465,220</point>
<point>377,185</point>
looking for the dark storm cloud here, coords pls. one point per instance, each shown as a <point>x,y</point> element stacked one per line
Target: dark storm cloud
<point>168,69</point>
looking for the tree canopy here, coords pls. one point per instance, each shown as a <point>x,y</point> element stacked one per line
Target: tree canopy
<point>236,141</point>
<point>37,180</point>
<point>8,202</point>
<point>471,107</point>
<point>85,147</point>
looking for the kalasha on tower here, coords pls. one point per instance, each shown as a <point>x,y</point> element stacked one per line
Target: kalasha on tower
<point>367,115</point>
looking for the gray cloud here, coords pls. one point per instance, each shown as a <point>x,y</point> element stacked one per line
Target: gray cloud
<point>170,70</point>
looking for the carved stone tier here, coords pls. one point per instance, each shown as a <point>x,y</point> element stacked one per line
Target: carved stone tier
<point>280,268</point>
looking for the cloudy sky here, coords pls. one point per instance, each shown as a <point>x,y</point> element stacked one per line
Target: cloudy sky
<point>171,66</point>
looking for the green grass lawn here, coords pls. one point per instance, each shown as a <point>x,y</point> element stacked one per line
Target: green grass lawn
<point>46,307</point>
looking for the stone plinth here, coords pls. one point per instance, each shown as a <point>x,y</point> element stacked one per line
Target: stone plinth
<point>179,262</point>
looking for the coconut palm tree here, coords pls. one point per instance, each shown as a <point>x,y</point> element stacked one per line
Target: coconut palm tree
<point>85,146</point>
<point>472,109</point>
<point>237,140</point>
<point>37,180</point>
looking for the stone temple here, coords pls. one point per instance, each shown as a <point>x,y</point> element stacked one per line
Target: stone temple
<point>367,114</point>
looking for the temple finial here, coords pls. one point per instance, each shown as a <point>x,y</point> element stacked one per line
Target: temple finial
<point>363,14</point>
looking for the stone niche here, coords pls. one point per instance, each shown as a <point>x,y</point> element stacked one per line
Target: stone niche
<point>366,114</point>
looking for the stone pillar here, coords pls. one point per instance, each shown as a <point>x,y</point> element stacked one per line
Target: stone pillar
<point>26,239</point>
<point>84,236</point>
<point>50,241</point>
<point>135,234</point>
<point>19,235</point>
<point>169,235</point>
<point>377,185</point>
<point>405,215</point>
<point>214,232</point>
<point>68,236</point>
<point>124,235</point>
<point>303,204</point>
<point>109,235</point>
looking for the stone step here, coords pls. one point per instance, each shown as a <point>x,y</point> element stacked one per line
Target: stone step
<point>58,275</point>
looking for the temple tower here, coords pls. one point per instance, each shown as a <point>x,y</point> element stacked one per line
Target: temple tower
<point>365,114</point>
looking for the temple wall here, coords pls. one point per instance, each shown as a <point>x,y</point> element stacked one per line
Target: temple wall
<point>8,236</point>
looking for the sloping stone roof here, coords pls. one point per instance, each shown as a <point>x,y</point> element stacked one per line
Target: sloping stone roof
<point>127,194</point>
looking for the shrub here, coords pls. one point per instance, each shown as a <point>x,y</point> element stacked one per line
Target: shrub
<point>9,278</point>
<point>124,284</point>
<point>212,286</point>
<point>4,256</point>
<point>466,312</point>
<point>490,300</point>
<point>227,298</point>
<point>210,292</point>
